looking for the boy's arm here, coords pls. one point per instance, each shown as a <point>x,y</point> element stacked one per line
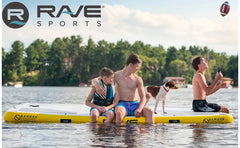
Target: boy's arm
<point>221,85</point>
<point>213,85</point>
<point>202,83</point>
<point>89,99</point>
<point>142,97</point>
<point>100,89</point>
<point>116,99</point>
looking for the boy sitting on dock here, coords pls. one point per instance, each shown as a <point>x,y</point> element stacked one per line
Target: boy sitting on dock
<point>201,89</point>
<point>102,105</point>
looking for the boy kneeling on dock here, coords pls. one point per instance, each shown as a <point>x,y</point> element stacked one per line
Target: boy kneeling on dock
<point>201,89</point>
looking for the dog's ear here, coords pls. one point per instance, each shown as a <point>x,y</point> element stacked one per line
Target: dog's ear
<point>171,84</point>
<point>168,84</point>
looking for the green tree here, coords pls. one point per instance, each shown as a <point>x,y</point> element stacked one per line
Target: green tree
<point>195,50</point>
<point>17,56</point>
<point>233,69</point>
<point>13,63</point>
<point>55,62</point>
<point>119,54</point>
<point>149,69</point>
<point>67,61</point>
<point>90,70</point>
<point>36,55</point>
<point>178,68</point>
<point>36,58</point>
<point>172,54</point>
<point>72,62</point>
<point>4,70</point>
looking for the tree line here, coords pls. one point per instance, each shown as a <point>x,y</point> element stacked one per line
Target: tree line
<point>68,61</point>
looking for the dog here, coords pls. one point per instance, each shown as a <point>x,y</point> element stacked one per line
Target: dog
<point>159,93</point>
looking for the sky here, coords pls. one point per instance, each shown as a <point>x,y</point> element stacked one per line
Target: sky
<point>155,22</point>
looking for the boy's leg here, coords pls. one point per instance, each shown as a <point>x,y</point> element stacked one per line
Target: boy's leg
<point>218,108</point>
<point>110,116</point>
<point>148,114</point>
<point>120,112</point>
<point>94,115</point>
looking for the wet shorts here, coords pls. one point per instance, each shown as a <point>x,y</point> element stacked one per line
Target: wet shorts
<point>203,106</point>
<point>101,114</point>
<point>129,106</point>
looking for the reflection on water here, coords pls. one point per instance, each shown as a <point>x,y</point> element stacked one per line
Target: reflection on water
<point>116,134</point>
<point>113,135</point>
<point>199,132</point>
<point>137,135</point>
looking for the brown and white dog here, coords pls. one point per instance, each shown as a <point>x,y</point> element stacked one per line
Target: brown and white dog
<point>159,93</point>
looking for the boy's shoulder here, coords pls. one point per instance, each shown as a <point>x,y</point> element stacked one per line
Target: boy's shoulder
<point>198,76</point>
<point>117,72</point>
<point>138,78</point>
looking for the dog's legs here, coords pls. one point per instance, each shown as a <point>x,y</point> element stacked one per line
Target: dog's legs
<point>163,106</point>
<point>156,104</point>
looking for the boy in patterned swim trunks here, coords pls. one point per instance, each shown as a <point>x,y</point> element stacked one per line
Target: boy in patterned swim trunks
<point>201,89</point>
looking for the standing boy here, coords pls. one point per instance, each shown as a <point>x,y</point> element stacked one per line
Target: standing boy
<point>201,89</point>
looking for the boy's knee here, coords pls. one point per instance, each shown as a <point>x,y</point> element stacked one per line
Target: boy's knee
<point>94,118</point>
<point>94,115</point>
<point>110,114</point>
<point>227,110</point>
<point>224,109</point>
<point>148,112</point>
<point>119,113</point>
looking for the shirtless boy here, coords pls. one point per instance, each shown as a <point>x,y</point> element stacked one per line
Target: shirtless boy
<point>201,89</point>
<point>127,83</point>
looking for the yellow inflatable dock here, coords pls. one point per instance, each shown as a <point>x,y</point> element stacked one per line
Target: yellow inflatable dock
<point>79,113</point>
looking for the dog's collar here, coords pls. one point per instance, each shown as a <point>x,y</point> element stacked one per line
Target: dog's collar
<point>165,89</point>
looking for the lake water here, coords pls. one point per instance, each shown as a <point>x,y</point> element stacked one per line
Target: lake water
<point>58,135</point>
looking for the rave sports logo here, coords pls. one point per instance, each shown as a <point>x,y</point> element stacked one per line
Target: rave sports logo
<point>15,15</point>
<point>84,15</point>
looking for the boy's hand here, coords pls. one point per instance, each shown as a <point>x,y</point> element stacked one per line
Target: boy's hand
<point>223,85</point>
<point>218,76</point>
<point>138,113</point>
<point>104,109</point>
<point>100,89</point>
<point>101,109</point>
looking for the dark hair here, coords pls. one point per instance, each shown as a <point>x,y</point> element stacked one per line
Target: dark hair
<point>106,72</point>
<point>134,59</point>
<point>196,61</point>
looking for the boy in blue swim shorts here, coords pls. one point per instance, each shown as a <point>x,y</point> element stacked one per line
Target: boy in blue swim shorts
<point>130,107</point>
<point>127,84</point>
